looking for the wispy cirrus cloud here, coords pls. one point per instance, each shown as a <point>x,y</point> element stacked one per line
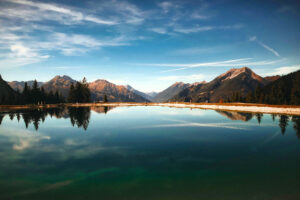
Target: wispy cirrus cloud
<point>166,6</point>
<point>184,78</point>
<point>199,16</point>
<point>175,28</point>
<point>207,28</point>
<point>254,39</point>
<point>159,30</point>
<point>224,63</point>
<point>193,29</point>
<point>198,50</point>
<point>36,11</point>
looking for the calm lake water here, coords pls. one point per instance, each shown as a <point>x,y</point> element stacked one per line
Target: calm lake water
<point>148,153</point>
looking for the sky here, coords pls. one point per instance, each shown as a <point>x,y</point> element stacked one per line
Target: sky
<point>147,44</point>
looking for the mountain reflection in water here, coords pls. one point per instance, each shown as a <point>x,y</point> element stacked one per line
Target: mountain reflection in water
<point>80,116</point>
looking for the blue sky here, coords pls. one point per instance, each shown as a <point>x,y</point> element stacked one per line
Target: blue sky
<point>147,44</point>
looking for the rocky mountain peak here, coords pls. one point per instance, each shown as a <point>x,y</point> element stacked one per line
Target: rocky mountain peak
<point>198,83</point>
<point>232,73</point>
<point>62,78</point>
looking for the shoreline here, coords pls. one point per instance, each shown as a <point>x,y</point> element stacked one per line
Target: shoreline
<point>237,107</point>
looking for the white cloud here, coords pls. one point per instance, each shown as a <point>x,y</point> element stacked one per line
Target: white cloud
<point>186,78</point>
<point>36,11</point>
<point>166,6</point>
<point>18,55</point>
<point>74,44</point>
<point>269,49</point>
<point>197,15</point>
<point>123,11</point>
<point>194,29</point>
<point>284,70</point>
<point>191,51</point>
<point>254,38</point>
<point>19,51</point>
<point>226,63</point>
<point>158,30</point>
<point>207,28</point>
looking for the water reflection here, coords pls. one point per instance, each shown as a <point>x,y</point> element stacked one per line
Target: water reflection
<point>236,115</point>
<point>185,149</point>
<point>283,120</point>
<point>79,116</point>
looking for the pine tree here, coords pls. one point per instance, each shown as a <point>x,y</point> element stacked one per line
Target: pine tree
<point>71,98</point>
<point>35,93</point>
<point>105,98</point>
<point>56,97</point>
<point>26,94</point>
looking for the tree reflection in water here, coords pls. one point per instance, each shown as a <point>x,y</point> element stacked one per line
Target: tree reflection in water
<point>296,126</point>
<point>283,119</point>
<point>283,122</point>
<point>79,116</point>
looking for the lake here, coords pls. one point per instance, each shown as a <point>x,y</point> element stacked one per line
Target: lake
<point>148,153</point>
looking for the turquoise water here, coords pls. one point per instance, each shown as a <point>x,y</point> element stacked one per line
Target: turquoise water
<point>148,153</point>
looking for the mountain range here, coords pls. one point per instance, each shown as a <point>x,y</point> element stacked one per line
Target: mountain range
<point>242,80</point>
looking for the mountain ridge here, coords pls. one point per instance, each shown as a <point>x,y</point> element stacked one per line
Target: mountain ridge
<point>242,80</point>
